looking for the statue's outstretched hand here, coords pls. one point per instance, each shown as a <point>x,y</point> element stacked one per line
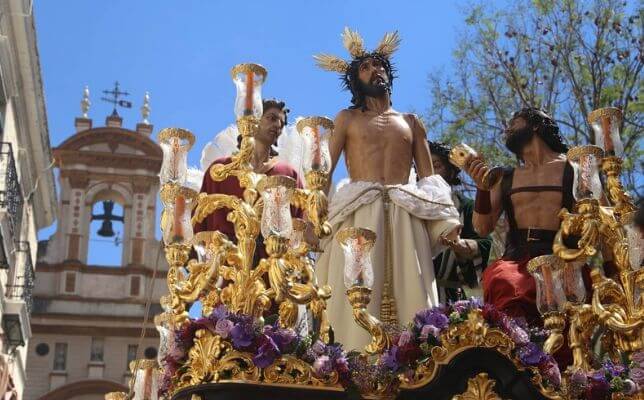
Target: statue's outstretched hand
<point>475,167</point>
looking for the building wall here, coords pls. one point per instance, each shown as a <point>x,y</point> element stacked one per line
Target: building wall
<point>23,129</point>
<point>79,367</point>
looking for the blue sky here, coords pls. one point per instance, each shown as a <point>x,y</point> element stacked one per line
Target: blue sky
<point>182,52</point>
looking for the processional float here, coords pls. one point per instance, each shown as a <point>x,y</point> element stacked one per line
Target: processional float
<point>463,350</point>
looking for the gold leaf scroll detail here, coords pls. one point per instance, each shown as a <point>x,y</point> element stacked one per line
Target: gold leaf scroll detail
<point>289,370</point>
<point>474,332</point>
<point>212,359</point>
<point>481,387</point>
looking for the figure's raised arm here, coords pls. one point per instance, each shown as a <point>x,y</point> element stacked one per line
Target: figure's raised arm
<point>487,206</point>
<point>422,157</point>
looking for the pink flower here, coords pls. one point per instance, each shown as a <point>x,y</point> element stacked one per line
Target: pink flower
<point>223,327</point>
<point>405,338</point>
<point>638,358</point>
<point>429,330</point>
<point>322,366</point>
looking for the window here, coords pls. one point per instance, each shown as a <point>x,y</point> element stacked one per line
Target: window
<point>97,350</point>
<point>131,354</point>
<point>42,349</point>
<point>150,353</point>
<point>70,282</point>
<point>135,286</point>
<point>60,357</point>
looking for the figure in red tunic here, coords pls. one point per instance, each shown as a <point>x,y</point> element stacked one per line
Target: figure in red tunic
<point>531,196</point>
<point>264,161</point>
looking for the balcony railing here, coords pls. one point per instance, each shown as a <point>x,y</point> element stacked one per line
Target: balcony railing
<point>23,281</point>
<point>10,194</point>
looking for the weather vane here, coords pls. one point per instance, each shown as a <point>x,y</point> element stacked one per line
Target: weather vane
<point>115,94</point>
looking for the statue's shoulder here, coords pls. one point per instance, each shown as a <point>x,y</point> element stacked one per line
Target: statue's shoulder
<point>415,121</point>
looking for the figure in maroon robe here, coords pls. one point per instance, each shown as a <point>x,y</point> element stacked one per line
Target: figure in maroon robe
<point>264,161</point>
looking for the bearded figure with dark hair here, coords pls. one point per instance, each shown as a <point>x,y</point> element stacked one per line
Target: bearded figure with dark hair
<point>459,267</point>
<point>531,196</point>
<point>409,217</point>
<point>265,161</point>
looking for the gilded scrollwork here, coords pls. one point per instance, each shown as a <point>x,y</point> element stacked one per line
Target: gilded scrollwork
<point>480,387</point>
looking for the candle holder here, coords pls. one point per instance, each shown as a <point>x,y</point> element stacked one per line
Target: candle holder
<point>585,161</point>
<point>459,156</point>
<point>175,144</point>
<point>248,79</point>
<point>357,244</point>
<point>547,272</point>
<point>276,191</point>
<point>606,122</point>
<point>116,396</point>
<point>316,132</point>
<point>178,202</point>
<point>144,382</point>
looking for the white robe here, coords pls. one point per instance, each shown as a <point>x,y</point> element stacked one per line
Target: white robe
<point>412,209</point>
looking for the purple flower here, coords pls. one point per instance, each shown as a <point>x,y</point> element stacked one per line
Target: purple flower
<point>220,312</point>
<point>530,354</point>
<point>389,358</point>
<point>638,357</point>
<point>579,380</point>
<point>637,375</point>
<point>461,306</point>
<point>405,338</point>
<point>429,330</point>
<point>318,347</point>
<point>323,366</point>
<point>282,337</point>
<point>267,352</point>
<point>431,316</point>
<point>476,303</point>
<point>612,368</point>
<point>223,327</point>
<point>512,329</point>
<point>242,335</point>
<point>550,370</point>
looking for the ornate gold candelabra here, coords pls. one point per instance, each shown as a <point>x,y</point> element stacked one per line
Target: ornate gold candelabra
<point>226,270</point>
<point>595,228</point>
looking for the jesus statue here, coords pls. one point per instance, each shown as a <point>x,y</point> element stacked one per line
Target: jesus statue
<point>411,217</point>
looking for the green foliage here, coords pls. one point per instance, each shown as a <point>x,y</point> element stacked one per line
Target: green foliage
<point>568,57</point>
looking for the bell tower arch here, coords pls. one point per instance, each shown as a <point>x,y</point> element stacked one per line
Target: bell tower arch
<point>109,165</point>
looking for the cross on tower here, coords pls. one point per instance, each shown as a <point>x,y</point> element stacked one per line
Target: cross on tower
<point>115,94</point>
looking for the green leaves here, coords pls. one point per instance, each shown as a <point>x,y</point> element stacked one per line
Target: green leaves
<point>567,56</point>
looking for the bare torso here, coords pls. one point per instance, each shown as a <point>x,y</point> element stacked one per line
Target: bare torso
<point>378,147</point>
<point>538,209</point>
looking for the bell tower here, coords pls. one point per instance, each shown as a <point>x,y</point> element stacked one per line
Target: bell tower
<point>109,165</point>
<point>88,316</point>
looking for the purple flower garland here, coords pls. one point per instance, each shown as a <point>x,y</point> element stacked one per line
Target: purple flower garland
<point>411,347</point>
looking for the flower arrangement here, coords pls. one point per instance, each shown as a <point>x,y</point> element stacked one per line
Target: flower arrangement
<point>411,346</point>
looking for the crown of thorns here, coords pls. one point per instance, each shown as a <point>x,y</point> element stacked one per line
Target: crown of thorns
<point>354,44</point>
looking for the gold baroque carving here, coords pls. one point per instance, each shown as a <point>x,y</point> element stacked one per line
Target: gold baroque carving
<point>481,387</point>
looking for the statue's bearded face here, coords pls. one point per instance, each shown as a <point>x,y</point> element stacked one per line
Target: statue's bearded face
<point>518,135</point>
<point>373,78</point>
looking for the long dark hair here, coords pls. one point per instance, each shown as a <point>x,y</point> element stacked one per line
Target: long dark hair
<point>547,130</point>
<point>351,80</point>
<point>441,150</point>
